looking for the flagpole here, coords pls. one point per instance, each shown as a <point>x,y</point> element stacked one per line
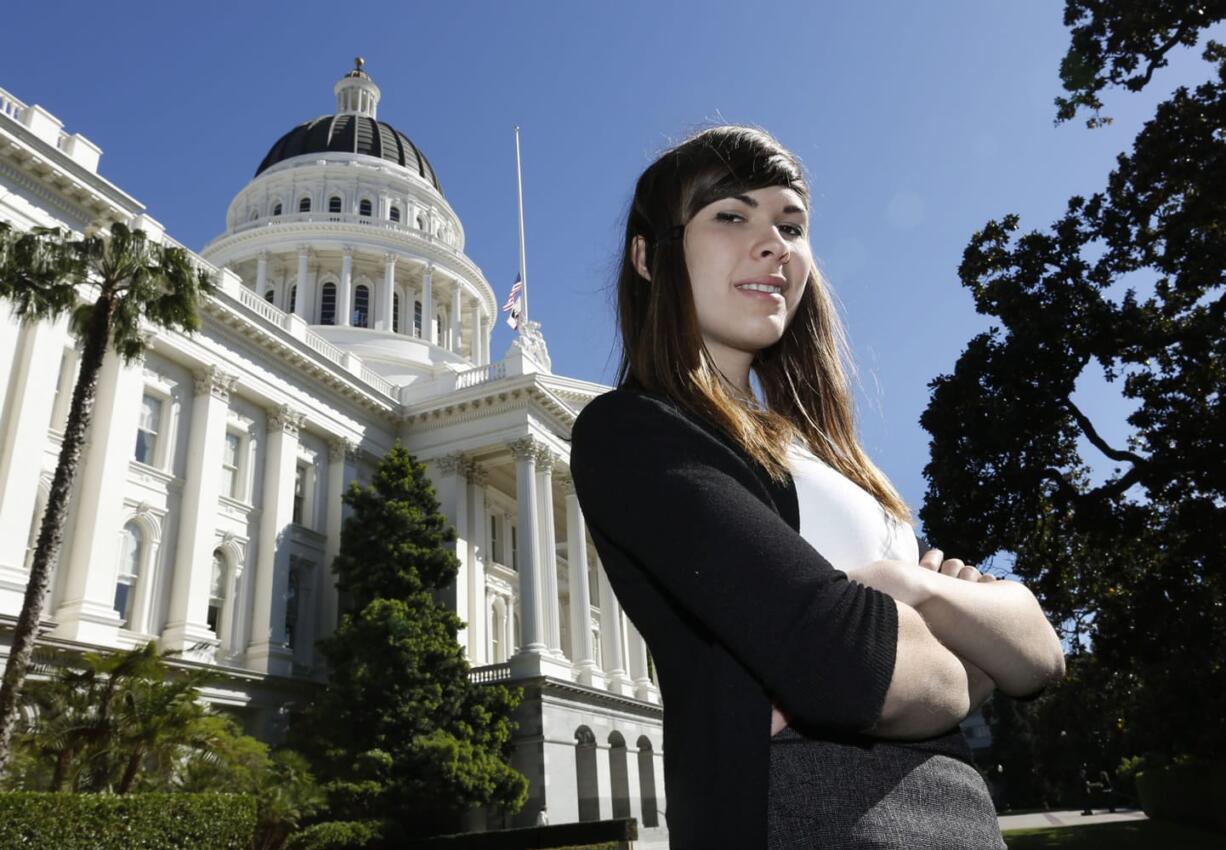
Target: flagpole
<point>523,259</point>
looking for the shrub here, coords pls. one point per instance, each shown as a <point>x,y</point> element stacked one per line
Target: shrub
<point>35,820</point>
<point>1183,792</point>
<point>338,835</point>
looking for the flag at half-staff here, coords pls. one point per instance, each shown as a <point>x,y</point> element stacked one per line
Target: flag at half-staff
<point>514,303</point>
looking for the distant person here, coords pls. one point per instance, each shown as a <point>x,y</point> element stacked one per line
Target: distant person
<point>803,709</point>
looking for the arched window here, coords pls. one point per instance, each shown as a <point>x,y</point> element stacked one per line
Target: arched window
<point>394,213</point>
<point>647,782</point>
<point>270,295</point>
<point>327,304</point>
<point>588,782</point>
<point>217,592</point>
<point>619,775</point>
<point>334,204</point>
<point>253,215</point>
<point>276,208</point>
<point>293,297</point>
<point>129,572</point>
<point>304,205</point>
<point>361,306</point>
<point>395,312</point>
<point>364,207</point>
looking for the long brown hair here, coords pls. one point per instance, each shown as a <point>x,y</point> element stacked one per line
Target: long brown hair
<point>803,376</point>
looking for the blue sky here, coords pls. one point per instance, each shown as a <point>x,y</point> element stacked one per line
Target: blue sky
<point>917,122</point>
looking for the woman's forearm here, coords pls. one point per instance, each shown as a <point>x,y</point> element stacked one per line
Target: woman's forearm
<point>997,626</point>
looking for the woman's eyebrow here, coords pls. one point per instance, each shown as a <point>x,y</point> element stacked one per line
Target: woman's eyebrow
<point>748,201</point>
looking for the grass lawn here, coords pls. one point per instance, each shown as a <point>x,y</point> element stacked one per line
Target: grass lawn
<point>1139,835</point>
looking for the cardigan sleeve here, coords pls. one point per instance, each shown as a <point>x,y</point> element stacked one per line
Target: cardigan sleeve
<point>679,505</point>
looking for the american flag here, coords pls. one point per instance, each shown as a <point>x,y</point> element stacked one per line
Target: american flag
<point>514,300</point>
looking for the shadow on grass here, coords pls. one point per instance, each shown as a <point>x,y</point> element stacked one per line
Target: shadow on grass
<point>1139,835</point>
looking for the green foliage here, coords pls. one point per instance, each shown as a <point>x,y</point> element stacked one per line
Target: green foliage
<point>400,730</point>
<point>43,821</point>
<point>121,280</point>
<point>1121,540</point>
<point>1193,793</point>
<point>338,835</point>
<point>1122,43</point>
<point>127,721</point>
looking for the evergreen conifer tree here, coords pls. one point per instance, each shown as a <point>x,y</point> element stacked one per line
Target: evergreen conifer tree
<point>399,730</point>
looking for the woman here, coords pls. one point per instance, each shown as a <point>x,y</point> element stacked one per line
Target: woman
<point>803,709</point>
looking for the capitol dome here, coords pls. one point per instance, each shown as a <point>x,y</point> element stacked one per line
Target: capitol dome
<point>351,133</point>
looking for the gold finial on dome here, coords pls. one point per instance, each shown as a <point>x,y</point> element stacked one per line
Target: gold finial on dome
<point>358,63</point>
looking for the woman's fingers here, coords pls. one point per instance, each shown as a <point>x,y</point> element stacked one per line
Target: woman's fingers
<point>952,567</point>
<point>932,559</point>
<point>986,577</point>
<point>968,574</point>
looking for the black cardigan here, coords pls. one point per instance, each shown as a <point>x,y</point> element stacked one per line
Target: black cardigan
<point>704,552</point>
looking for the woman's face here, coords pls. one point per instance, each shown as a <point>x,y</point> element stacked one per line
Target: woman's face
<point>760,238</point>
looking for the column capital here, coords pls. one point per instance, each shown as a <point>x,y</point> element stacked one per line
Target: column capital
<point>454,463</point>
<point>340,448</point>
<point>304,250</point>
<point>389,258</point>
<point>477,474</point>
<point>209,380</point>
<point>264,255</point>
<point>524,448</point>
<point>347,250</point>
<point>545,458</point>
<point>285,419</point>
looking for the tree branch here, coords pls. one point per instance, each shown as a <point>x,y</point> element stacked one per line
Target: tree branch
<point>1087,428</point>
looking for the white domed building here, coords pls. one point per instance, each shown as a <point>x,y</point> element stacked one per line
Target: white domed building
<point>208,506</point>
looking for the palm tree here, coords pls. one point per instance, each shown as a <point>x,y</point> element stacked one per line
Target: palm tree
<point>131,281</point>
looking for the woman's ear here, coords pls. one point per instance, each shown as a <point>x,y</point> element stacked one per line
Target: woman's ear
<point>638,253</point>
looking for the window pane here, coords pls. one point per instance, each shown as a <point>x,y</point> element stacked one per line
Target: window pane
<point>395,214</point>
<point>364,208</point>
<point>299,493</point>
<point>217,587</point>
<point>291,607</point>
<point>129,563</point>
<point>334,204</point>
<point>231,456</point>
<point>327,305</point>
<point>395,312</point>
<point>361,306</point>
<point>304,205</point>
<point>123,601</point>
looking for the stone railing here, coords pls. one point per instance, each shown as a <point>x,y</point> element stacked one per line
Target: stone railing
<point>490,673</point>
<point>11,106</point>
<point>481,374</point>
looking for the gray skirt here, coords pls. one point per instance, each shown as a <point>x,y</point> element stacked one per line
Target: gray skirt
<point>847,796</point>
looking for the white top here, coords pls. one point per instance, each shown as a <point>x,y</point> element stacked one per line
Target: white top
<point>841,520</point>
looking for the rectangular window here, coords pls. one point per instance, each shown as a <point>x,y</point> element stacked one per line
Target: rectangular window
<point>300,480</point>
<point>493,554</point>
<point>291,604</point>
<point>514,551</point>
<point>417,319</point>
<point>229,466</point>
<point>147,431</point>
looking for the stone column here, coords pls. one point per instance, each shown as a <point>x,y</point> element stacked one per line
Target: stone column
<point>344,292</point>
<point>301,282</point>
<point>187,618</point>
<point>267,651</point>
<point>611,637</point>
<point>478,555</point>
<point>586,669</point>
<point>36,349</point>
<point>261,274</point>
<point>549,551</point>
<point>524,452</point>
<point>479,343</point>
<point>455,317</point>
<point>341,469</point>
<point>428,330</point>
<point>384,321</point>
<point>88,613</point>
<point>452,492</point>
<point>644,688</point>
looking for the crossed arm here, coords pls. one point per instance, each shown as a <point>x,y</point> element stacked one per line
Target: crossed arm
<point>960,635</point>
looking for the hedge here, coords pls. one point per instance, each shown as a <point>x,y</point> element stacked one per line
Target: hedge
<point>34,820</point>
<point>1190,793</point>
<point>338,835</point>
<point>377,835</point>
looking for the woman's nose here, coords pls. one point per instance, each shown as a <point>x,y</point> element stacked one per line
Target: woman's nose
<point>774,245</point>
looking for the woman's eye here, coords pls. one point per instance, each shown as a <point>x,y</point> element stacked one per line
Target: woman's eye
<point>729,216</point>
<point>793,230</point>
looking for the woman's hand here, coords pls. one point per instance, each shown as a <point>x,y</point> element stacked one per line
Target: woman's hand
<point>934,559</point>
<point>898,579</point>
<point>778,721</point>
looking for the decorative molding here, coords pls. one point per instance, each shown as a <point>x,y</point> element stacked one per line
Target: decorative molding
<point>210,380</point>
<point>451,464</point>
<point>286,419</point>
<point>525,448</point>
<point>340,448</point>
<point>477,474</point>
<point>545,458</point>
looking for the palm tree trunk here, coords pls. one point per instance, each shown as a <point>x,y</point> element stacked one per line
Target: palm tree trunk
<point>51,533</point>
<point>131,769</point>
<point>61,769</point>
